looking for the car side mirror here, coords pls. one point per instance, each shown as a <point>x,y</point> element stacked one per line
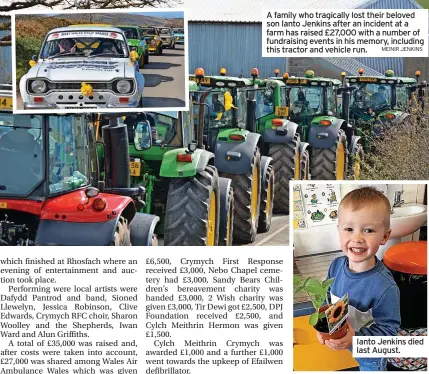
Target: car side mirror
<point>143,136</point>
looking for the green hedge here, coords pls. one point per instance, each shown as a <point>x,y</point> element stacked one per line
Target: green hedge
<point>25,49</point>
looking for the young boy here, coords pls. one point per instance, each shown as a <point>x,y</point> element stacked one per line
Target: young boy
<point>364,225</point>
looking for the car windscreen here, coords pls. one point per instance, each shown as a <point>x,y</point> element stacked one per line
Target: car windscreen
<point>87,44</point>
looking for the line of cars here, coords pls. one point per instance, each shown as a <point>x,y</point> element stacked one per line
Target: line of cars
<point>92,66</point>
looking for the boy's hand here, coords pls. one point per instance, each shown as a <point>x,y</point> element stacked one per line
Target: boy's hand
<point>320,338</point>
<point>345,342</point>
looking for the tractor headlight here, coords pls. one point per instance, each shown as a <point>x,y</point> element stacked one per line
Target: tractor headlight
<point>38,86</point>
<point>123,86</point>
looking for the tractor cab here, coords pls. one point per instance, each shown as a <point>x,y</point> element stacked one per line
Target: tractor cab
<point>50,186</point>
<point>378,102</point>
<point>386,98</point>
<point>312,98</point>
<point>43,156</point>
<point>225,102</point>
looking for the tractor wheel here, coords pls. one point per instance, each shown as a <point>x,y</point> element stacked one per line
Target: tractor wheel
<point>286,167</point>
<point>305,166</point>
<point>267,201</point>
<point>355,162</point>
<point>226,218</point>
<point>247,200</point>
<point>122,233</point>
<point>192,212</point>
<point>330,163</point>
<point>146,57</point>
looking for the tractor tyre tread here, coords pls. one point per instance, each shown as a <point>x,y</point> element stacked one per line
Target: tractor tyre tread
<point>324,160</point>
<point>284,157</point>
<point>244,229</point>
<point>187,210</point>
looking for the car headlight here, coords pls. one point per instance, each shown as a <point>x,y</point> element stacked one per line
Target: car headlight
<point>177,38</point>
<point>123,86</point>
<point>38,86</point>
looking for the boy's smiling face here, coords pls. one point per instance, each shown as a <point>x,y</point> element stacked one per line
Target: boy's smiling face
<point>361,233</point>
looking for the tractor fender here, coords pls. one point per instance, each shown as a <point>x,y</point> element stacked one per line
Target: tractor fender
<point>51,232</point>
<point>236,157</point>
<point>303,146</point>
<point>325,136</point>
<point>224,185</point>
<point>65,208</point>
<point>171,168</point>
<point>281,134</point>
<point>265,163</point>
<point>142,229</point>
<point>353,144</point>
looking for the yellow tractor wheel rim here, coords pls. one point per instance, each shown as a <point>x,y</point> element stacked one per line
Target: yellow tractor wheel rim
<point>268,207</point>
<point>341,159</point>
<point>211,224</point>
<point>255,194</point>
<point>297,166</point>
<point>356,167</point>
<point>228,228</point>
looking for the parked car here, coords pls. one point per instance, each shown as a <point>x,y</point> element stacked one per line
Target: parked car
<point>153,39</point>
<point>167,37</point>
<point>136,40</point>
<point>179,35</point>
<point>83,67</point>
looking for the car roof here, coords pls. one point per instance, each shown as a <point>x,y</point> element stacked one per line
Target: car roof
<point>88,28</point>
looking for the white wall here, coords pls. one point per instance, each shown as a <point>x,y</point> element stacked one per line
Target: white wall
<point>325,238</point>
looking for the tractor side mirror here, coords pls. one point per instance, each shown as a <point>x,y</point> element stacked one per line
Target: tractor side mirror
<point>143,136</point>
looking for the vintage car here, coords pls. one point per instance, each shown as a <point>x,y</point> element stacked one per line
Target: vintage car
<point>83,67</point>
<point>5,97</point>
<point>136,40</point>
<point>153,39</point>
<point>167,37</point>
<point>179,35</point>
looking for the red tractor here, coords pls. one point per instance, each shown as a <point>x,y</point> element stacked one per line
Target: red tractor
<point>51,191</point>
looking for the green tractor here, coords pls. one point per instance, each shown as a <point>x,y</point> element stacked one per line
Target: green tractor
<point>378,103</point>
<point>334,150</point>
<point>230,132</point>
<point>281,137</point>
<point>182,184</point>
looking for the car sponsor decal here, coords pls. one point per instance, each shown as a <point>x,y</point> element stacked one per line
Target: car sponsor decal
<point>86,34</point>
<point>84,65</point>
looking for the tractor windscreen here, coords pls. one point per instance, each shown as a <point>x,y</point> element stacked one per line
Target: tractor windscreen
<point>21,154</point>
<point>68,153</point>
<point>370,95</point>
<point>306,101</point>
<point>165,128</point>
<point>221,105</point>
<point>264,98</point>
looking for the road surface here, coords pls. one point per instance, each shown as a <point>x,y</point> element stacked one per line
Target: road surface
<point>165,79</point>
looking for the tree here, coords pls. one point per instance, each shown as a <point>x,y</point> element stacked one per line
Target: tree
<point>11,5</point>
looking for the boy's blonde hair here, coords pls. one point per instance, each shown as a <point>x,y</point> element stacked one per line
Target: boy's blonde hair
<point>367,197</point>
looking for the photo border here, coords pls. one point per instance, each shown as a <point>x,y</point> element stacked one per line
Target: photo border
<point>98,110</point>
